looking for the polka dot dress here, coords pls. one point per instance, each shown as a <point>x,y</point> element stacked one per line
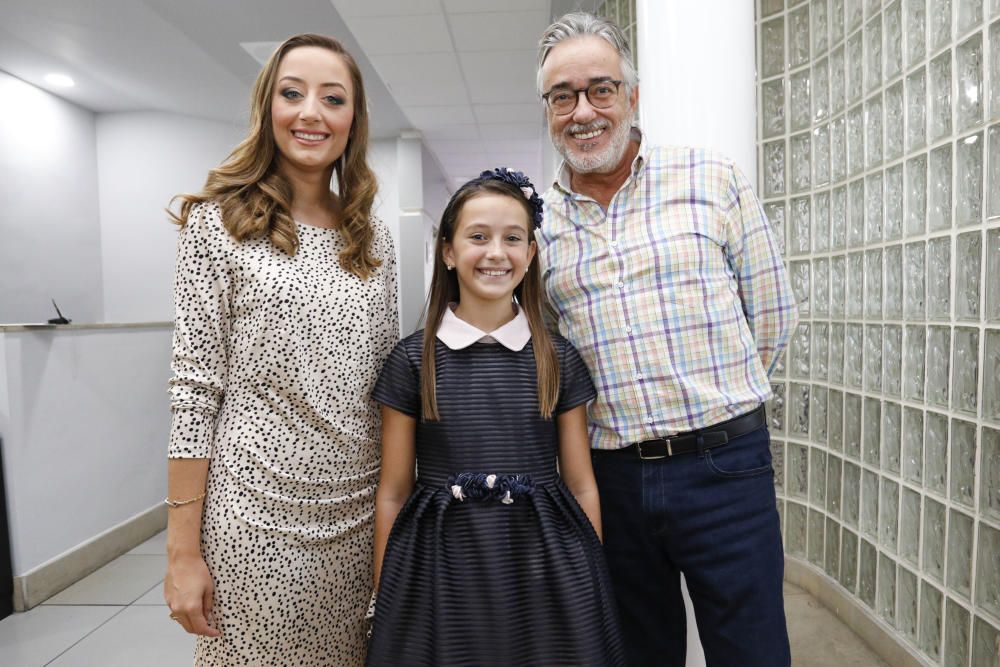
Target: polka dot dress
<point>274,360</point>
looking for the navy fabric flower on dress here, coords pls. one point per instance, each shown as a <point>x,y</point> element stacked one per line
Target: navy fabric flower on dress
<point>480,486</point>
<point>519,180</point>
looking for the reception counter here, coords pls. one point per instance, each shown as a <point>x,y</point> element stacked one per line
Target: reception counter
<point>84,421</point>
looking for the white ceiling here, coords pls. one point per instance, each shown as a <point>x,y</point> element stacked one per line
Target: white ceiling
<point>460,71</point>
<point>463,72</point>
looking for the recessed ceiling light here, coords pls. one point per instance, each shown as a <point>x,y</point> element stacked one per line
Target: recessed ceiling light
<point>59,80</point>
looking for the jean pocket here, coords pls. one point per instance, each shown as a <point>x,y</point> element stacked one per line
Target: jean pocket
<point>740,459</point>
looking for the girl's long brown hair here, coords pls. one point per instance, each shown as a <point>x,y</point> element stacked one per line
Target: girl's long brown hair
<point>256,199</point>
<point>529,295</point>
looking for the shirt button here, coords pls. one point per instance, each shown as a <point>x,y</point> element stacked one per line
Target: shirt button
<point>614,243</point>
<point>628,329</point>
<point>638,376</point>
<point>621,285</point>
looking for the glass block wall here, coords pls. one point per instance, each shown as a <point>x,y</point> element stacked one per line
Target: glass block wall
<point>879,149</point>
<point>622,12</point>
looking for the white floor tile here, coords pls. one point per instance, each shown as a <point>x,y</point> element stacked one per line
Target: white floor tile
<point>138,636</point>
<point>154,546</point>
<point>152,597</point>
<point>120,582</point>
<point>35,637</point>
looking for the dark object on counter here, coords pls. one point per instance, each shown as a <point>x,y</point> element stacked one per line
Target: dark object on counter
<point>60,319</point>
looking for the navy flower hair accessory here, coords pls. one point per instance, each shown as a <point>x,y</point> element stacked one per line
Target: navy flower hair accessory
<point>518,180</point>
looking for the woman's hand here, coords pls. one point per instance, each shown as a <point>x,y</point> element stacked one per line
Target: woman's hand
<point>189,590</point>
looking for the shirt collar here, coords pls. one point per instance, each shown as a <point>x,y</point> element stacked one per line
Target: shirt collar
<point>458,334</point>
<point>563,173</point>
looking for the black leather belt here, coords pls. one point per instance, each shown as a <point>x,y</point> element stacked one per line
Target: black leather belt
<point>715,435</point>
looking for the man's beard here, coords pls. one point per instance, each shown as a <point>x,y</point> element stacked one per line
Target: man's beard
<point>603,161</point>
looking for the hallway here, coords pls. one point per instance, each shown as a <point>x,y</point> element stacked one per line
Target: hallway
<point>116,618</point>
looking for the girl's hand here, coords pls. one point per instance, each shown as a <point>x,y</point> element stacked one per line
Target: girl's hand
<point>189,590</point>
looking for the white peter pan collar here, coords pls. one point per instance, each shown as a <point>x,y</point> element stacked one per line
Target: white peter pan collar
<point>458,334</point>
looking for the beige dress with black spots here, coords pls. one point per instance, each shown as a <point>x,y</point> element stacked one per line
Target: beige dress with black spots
<point>274,359</point>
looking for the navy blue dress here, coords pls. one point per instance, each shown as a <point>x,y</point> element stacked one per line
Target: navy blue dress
<point>491,560</point>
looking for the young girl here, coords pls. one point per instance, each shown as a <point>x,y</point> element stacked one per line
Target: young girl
<point>494,553</point>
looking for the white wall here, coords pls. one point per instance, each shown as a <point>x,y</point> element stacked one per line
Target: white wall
<point>49,219</point>
<point>382,160</point>
<point>412,222</point>
<point>707,100</point>
<point>551,159</point>
<point>84,419</point>
<point>436,191</point>
<point>436,196</point>
<point>83,197</point>
<point>144,159</point>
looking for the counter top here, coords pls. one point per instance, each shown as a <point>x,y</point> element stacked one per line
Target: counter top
<point>84,326</point>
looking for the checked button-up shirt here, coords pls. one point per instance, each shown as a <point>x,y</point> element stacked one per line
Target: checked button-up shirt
<point>676,296</point>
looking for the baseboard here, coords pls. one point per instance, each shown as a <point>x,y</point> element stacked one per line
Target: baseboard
<point>880,637</point>
<point>38,585</point>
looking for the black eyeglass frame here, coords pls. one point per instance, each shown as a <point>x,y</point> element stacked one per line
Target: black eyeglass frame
<point>576,95</point>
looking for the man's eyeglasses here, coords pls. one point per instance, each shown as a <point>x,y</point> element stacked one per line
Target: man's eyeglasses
<point>600,94</point>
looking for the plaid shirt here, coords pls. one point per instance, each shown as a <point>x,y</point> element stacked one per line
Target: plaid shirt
<point>677,297</point>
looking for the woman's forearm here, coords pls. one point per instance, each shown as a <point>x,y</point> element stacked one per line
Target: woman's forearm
<point>186,479</point>
<point>188,587</point>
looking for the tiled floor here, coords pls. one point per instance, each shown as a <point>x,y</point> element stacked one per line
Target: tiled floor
<point>820,640</point>
<point>113,618</point>
<point>116,618</point>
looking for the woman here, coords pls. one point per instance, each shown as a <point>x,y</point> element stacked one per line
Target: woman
<point>285,296</point>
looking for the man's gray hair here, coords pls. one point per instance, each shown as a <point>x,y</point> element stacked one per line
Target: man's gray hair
<point>581,24</point>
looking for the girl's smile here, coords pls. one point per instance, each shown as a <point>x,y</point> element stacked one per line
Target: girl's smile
<point>494,272</point>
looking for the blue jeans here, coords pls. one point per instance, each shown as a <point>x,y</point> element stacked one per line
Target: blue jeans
<point>712,516</point>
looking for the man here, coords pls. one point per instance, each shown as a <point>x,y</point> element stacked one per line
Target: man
<point>660,268</point>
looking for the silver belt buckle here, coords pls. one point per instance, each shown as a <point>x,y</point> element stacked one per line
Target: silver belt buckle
<point>670,451</point>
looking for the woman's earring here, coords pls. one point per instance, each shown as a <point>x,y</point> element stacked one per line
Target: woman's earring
<point>450,266</point>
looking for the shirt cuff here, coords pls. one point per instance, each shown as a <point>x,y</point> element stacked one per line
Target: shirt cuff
<point>191,434</point>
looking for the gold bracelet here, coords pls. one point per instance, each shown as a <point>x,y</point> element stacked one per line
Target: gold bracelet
<point>179,503</point>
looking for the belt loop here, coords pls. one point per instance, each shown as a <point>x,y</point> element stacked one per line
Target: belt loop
<point>701,444</point>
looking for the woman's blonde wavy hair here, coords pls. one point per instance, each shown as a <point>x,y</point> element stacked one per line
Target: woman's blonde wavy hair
<point>256,199</point>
